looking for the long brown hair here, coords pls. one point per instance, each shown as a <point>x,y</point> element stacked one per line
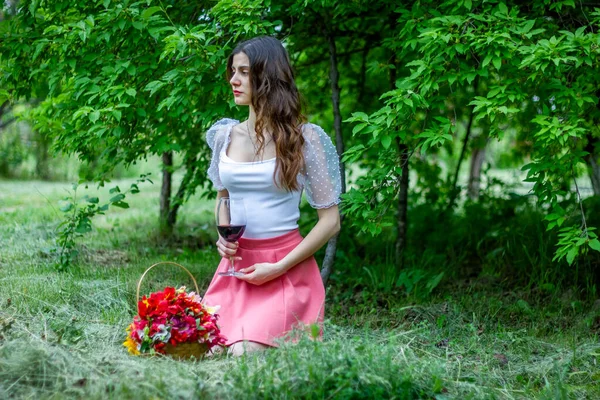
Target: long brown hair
<point>276,101</point>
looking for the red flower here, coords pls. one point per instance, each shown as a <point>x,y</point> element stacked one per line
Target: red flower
<point>173,316</point>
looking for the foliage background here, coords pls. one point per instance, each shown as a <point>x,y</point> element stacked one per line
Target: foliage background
<point>469,132</point>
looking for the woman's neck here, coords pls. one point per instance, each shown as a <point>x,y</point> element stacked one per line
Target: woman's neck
<point>252,123</point>
<point>251,118</point>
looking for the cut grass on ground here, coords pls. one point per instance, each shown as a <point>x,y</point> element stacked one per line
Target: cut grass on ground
<point>61,333</point>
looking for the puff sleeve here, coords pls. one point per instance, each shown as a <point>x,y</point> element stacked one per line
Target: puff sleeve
<point>322,179</point>
<point>217,137</point>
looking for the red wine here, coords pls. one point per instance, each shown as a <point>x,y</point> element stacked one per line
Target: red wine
<point>231,233</point>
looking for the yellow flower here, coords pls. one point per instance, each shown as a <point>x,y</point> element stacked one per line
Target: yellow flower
<point>131,346</point>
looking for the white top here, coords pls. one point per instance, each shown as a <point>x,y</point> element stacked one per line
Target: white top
<point>272,211</point>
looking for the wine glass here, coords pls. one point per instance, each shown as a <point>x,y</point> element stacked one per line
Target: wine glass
<point>231,224</point>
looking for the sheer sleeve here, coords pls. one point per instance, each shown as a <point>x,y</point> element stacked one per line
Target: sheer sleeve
<point>217,136</point>
<point>322,180</point>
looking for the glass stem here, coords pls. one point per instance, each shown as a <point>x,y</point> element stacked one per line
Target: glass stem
<point>231,265</point>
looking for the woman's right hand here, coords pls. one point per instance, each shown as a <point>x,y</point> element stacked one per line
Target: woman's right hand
<point>227,249</point>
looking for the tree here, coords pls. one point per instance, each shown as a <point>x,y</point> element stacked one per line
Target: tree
<point>128,79</point>
<point>529,59</point>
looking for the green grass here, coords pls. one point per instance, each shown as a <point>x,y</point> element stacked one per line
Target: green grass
<point>61,333</point>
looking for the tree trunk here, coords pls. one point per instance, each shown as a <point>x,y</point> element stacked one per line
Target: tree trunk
<point>404,155</point>
<point>41,156</point>
<point>179,196</point>
<point>594,175</point>
<point>5,109</point>
<point>454,189</point>
<point>166,229</point>
<point>402,222</point>
<point>362,78</point>
<point>477,159</point>
<point>593,167</point>
<point>334,77</point>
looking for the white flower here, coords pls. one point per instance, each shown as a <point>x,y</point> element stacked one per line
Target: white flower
<point>163,334</point>
<point>212,310</point>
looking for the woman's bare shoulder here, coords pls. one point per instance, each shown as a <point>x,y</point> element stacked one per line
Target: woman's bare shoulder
<point>239,128</point>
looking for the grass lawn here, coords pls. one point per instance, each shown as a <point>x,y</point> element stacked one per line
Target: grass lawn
<point>61,333</point>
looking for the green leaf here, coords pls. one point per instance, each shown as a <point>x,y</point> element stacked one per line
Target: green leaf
<point>433,282</point>
<point>595,244</point>
<point>147,13</point>
<point>93,200</point>
<point>361,115</point>
<point>84,226</point>
<point>386,141</point>
<point>132,92</point>
<point>93,116</point>
<point>486,60</point>
<point>528,25</point>
<point>3,96</point>
<point>117,198</point>
<point>117,114</point>
<point>571,255</point>
<point>471,77</point>
<point>497,62</point>
<point>503,9</point>
<point>358,128</point>
<point>121,204</point>
<point>66,207</point>
<point>134,188</point>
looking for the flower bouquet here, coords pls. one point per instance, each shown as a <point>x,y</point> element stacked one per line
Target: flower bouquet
<point>173,322</point>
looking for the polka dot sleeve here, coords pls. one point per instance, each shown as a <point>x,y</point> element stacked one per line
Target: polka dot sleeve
<point>322,180</point>
<point>216,137</point>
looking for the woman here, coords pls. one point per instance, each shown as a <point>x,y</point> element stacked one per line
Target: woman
<point>268,160</point>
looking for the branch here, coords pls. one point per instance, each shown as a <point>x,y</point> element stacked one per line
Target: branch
<point>362,77</point>
<point>583,222</point>
<point>6,123</point>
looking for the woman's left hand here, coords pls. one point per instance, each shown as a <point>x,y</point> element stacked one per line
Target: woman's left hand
<point>260,273</point>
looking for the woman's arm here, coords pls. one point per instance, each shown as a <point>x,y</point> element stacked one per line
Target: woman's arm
<point>327,227</point>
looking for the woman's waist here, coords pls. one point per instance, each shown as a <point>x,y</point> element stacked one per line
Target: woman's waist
<point>290,238</point>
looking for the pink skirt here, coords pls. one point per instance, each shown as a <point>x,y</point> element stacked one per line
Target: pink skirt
<point>269,311</point>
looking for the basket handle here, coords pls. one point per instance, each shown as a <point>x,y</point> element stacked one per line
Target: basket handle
<point>137,293</point>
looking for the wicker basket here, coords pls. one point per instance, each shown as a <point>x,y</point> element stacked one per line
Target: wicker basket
<point>182,350</point>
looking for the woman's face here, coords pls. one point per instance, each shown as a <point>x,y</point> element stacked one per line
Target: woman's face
<point>240,79</point>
